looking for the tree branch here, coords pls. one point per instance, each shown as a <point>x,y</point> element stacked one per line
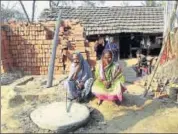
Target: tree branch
<point>12,6</point>
<point>24,10</point>
<point>7,5</point>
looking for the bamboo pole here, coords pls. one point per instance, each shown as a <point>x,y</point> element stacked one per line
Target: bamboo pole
<point>176,42</point>
<point>24,10</point>
<point>162,50</point>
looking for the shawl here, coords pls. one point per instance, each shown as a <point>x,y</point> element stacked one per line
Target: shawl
<point>84,71</point>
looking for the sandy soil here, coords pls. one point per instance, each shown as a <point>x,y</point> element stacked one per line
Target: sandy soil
<point>132,116</point>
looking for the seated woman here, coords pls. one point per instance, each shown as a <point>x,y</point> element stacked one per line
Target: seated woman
<point>80,78</point>
<point>109,80</point>
<point>141,66</point>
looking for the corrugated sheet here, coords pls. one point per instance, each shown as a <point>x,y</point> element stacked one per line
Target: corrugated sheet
<point>106,20</point>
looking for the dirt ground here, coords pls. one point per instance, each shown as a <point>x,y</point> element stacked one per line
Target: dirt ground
<point>132,116</point>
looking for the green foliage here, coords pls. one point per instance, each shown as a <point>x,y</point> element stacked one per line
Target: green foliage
<point>53,4</point>
<point>153,3</point>
<point>124,3</point>
<point>8,14</point>
<point>85,3</point>
<point>89,3</point>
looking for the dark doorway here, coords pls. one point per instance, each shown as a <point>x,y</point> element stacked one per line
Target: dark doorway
<point>155,52</point>
<point>135,44</point>
<point>129,44</point>
<point>124,45</point>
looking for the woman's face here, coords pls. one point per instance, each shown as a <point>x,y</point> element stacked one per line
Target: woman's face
<point>76,59</point>
<point>138,55</point>
<point>107,58</point>
<point>111,39</point>
<point>100,41</point>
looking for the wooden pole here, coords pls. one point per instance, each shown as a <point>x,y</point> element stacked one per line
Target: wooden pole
<point>24,10</point>
<point>53,55</point>
<point>162,50</point>
<point>66,102</point>
<point>33,10</point>
<point>50,5</point>
<point>155,69</point>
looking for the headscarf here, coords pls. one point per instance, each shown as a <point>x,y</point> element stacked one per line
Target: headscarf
<point>81,59</point>
<point>111,39</point>
<point>102,72</point>
<point>80,65</point>
<point>83,67</point>
<point>111,71</point>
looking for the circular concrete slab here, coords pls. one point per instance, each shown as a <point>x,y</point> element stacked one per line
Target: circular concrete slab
<point>54,116</point>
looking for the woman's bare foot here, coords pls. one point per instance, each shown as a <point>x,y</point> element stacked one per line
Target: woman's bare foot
<point>118,102</point>
<point>79,99</point>
<point>99,102</point>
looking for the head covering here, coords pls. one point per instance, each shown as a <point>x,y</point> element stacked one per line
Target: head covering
<point>83,68</point>
<point>111,39</point>
<point>81,59</point>
<point>107,38</point>
<point>107,51</point>
<point>102,74</point>
<point>138,51</point>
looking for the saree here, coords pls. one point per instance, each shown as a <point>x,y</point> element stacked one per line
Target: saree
<point>115,92</point>
<point>84,75</point>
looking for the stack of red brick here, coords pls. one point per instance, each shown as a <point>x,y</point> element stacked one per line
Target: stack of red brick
<point>91,54</point>
<point>72,39</point>
<point>6,58</point>
<point>31,45</point>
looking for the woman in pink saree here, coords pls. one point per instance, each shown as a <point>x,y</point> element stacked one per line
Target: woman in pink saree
<point>109,80</point>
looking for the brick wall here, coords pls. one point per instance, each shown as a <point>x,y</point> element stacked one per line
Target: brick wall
<point>30,46</point>
<point>6,57</point>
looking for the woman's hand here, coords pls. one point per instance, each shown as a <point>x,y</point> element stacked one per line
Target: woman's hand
<point>81,85</point>
<point>74,77</point>
<point>107,84</point>
<point>100,79</point>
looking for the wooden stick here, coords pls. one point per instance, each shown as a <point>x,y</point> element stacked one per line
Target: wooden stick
<point>154,71</point>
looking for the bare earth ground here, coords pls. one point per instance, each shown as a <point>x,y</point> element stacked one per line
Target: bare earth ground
<point>134,115</point>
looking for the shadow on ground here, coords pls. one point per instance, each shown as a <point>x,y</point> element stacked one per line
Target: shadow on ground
<point>138,115</point>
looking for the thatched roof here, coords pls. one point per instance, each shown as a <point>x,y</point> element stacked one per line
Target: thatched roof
<point>111,20</point>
